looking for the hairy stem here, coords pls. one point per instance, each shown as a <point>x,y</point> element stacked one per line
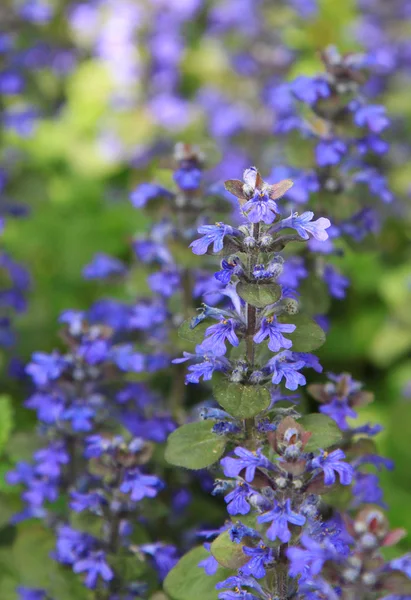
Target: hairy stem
<point>250,330</point>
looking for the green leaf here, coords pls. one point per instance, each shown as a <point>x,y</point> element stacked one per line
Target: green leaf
<point>188,581</point>
<point>6,420</point>
<point>325,431</point>
<point>194,446</point>
<point>127,568</point>
<point>307,336</point>
<point>315,298</point>
<point>259,295</point>
<point>31,554</point>
<point>195,335</point>
<point>242,401</point>
<point>227,553</point>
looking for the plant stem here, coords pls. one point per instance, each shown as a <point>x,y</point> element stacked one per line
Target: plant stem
<point>282,573</point>
<point>250,331</point>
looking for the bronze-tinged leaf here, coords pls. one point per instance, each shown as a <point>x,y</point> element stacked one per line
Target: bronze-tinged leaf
<point>296,468</point>
<point>360,447</point>
<point>361,398</point>
<point>259,182</point>
<point>395,582</point>
<point>393,537</point>
<point>235,187</point>
<point>261,480</point>
<point>318,392</point>
<point>277,190</point>
<point>317,485</point>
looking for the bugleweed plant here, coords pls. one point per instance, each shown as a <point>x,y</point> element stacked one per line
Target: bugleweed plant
<point>277,467</point>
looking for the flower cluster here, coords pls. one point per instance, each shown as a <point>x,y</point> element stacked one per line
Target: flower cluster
<point>80,406</point>
<point>259,308</point>
<point>279,541</point>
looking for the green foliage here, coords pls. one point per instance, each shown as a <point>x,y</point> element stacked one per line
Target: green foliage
<point>307,336</point>
<point>29,564</point>
<point>194,446</point>
<point>242,401</point>
<point>259,295</point>
<point>325,431</point>
<point>195,335</point>
<point>187,580</point>
<point>227,553</point>
<point>6,420</point>
<point>315,298</point>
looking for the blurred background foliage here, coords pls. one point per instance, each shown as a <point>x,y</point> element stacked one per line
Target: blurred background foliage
<point>78,201</point>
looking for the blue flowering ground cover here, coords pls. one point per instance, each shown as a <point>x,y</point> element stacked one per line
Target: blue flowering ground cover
<point>205,283</point>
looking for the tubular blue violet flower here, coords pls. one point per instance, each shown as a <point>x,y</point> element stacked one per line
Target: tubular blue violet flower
<point>331,463</point>
<point>246,460</point>
<point>213,234</point>
<point>304,225</point>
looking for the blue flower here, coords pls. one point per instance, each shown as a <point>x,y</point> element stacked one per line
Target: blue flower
<point>260,196</point>
<point>293,271</point>
<point>45,367</point>
<point>213,234</point>
<point>247,460</point>
<point>96,445</point>
<point>274,330</point>
<point>165,282</point>
<point>164,557</point>
<point>237,582</point>
<point>36,11</point>
<point>50,459</point>
<point>80,416</point>
<point>339,411</point>
<point>237,500</point>
<point>217,335</point>
<point>261,208</point>
<point>330,152</point>
<point>280,516</point>
<point>91,501</point>
<point>103,266</point>
<point>366,490</point>
<point>209,564</point>
<point>283,366</point>
<point>94,351</point>
<point>303,225</point>
<point>140,486</point>
<point>377,183</point>
<point>337,283</point>
<point>206,368</point>
<point>229,268</point>
<point>309,89</point>
<point>331,463</point>
<point>95,566</point>
<point>260,556</point>
<point>403,563</point>
<point>188,178</point>
<point>372,143</point>
<point>30,593</point>
<point>146,192</point>
<point>126,359</point>
<point>372,116</point>
<point>238,531</point>
<point>72,544</point>
<point>310,559</point>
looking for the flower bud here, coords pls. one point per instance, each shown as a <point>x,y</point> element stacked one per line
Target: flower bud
<point>249,242</point>
<point>368,541</point>
<point>266,241</point>
<point>369,579</point>
<point>290,306</point>
<point>350,575</point>
<point>281,482</point>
